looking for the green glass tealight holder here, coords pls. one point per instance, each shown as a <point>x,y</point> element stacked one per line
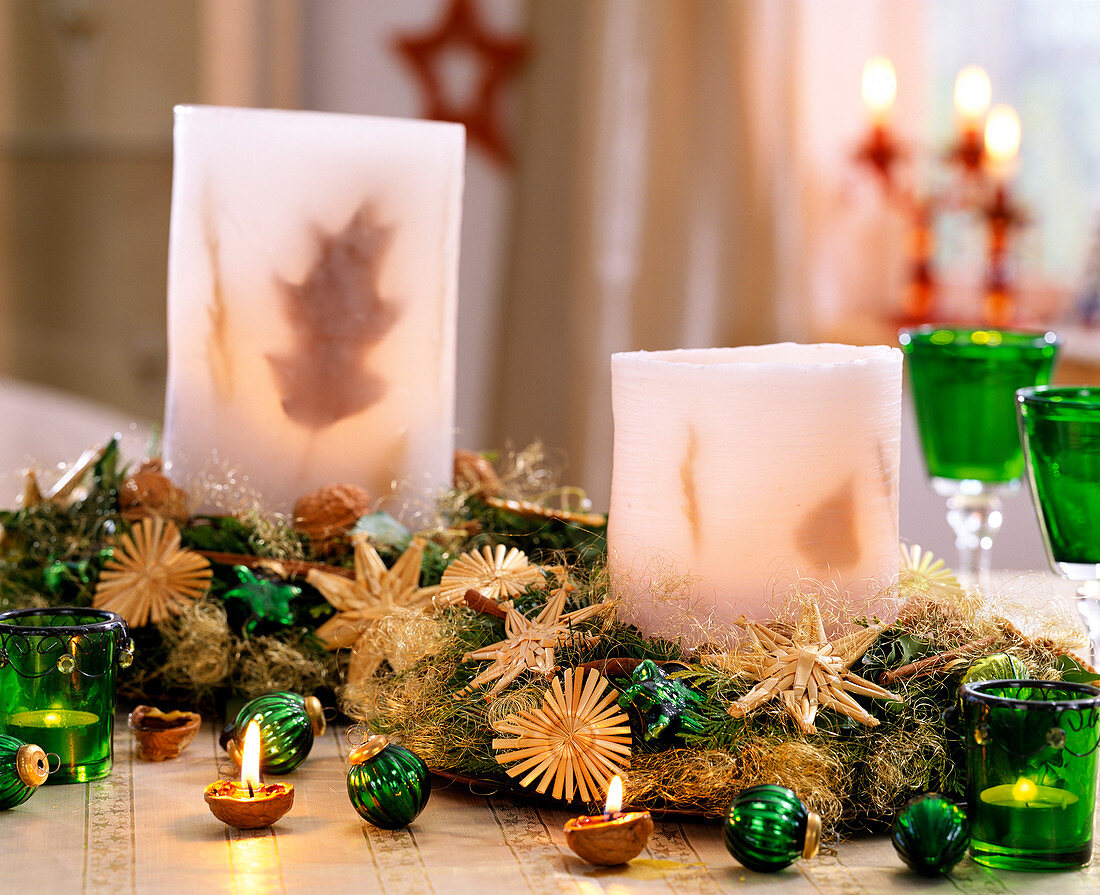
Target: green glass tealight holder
<point>1031,761</point>
<point>1060,431</point>
<point>57,684</point>
<point>964,383</point>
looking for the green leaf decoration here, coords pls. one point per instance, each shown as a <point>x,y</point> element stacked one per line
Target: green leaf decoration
<point>1074,672</point>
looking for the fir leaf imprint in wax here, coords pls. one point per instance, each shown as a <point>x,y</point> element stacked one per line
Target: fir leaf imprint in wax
<point>336,316</point>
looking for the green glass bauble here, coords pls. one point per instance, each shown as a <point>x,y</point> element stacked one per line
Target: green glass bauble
<point>23,768</point>
<point>288,723</point>
<point>931,834</point>
<point>995,667</point>
<point>767,827</point>
<point>388,785</point>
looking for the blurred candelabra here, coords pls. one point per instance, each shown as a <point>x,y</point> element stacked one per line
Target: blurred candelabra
<point>980,162</point>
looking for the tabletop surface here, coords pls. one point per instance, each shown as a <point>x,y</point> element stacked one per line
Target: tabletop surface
<point>146,828</point>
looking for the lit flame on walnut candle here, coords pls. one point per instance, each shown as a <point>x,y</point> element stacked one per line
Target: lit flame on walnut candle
<point>250,804</point>
<point>612,837</point>
<point>250,759</point>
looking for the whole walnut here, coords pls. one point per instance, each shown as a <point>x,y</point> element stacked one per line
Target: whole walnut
<point>475,474</point>
<point>328,512</point>
<point>150,492</point>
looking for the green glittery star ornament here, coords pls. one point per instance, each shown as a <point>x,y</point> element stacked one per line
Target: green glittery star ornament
<point>268,600</point>
<point>661,706</point>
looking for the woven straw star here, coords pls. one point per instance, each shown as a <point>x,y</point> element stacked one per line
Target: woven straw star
<point>808,671</point>
<point>375,594</point>
<point>150,576</point>
<point>497,574</point>
<point>578,739</point>
<point>528,643</point>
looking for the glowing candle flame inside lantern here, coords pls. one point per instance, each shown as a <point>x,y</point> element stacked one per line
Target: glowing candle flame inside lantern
<point>250,758</point>
<point>880,87</point>
<point>973,93</point>
<point>1024,790</point>
<point>1002,139</point>
<point>614,805</point>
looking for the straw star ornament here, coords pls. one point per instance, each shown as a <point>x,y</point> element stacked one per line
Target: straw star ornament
<point>498,574</point>
<point>577,740</point>
<point>150,576</point>
<point>807,672</point>
<point>528,644</point>
<point>362,604</point>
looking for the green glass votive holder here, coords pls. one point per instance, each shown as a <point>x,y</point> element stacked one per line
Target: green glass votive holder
<point>57,684</point>
<point>1031,751</point>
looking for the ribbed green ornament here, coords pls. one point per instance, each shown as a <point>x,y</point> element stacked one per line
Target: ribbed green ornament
<point>23,768</point>
<point>931,834</point>
<point>767,828</point>
<point>288,724</point>
<point>388,784</point>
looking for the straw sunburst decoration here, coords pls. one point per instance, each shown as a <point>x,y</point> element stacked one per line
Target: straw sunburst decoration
<point>363,604</point>
<point>150,576</point>
<point>498,574</point>
<point>577,740</point>
<point>920,570</point>
<point>528,643</point>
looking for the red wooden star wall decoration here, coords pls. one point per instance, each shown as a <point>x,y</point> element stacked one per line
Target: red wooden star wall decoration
<point>497,58</point>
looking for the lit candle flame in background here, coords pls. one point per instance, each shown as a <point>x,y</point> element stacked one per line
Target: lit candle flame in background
<point>973,93</point>
<point>250,757</point>
<point>614,805</point>
<point>880,87</point>
<point>1024,790</point>
<point>1002,137</point>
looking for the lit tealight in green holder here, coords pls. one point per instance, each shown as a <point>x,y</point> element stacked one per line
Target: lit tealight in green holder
<point>57,684</point>
<point>1032,760</point>
<point>61,732</point>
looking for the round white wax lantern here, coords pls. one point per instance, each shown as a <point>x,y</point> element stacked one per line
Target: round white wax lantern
<point>737,470</point>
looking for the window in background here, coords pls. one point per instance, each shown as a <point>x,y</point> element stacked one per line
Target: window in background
<point>1043,59</point>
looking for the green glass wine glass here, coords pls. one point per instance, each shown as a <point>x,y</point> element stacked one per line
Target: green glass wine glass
<point>963,383</point>
<point>1060,431</point>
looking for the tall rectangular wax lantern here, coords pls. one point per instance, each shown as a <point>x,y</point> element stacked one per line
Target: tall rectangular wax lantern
<point>737,468</point>
<point>312,292</point>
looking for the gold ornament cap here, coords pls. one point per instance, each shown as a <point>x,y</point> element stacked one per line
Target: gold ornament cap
<point>31,764</point>
<point>316,714</point>
<point>234,750</point>
<point>369,748</point>
<point>813,835</point>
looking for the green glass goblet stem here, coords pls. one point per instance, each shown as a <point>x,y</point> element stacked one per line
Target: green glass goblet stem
<point>963,383</point>
<point>1060,431</point>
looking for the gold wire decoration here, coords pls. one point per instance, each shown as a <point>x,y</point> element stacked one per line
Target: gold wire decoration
<point>541,511</point>
<point>364,603</point>
<point>577,740</point>
<point>499,574</point>
<point>919,571</point>
<point>150,576</point>
<point>528,643</point>
<point>806,671</point>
